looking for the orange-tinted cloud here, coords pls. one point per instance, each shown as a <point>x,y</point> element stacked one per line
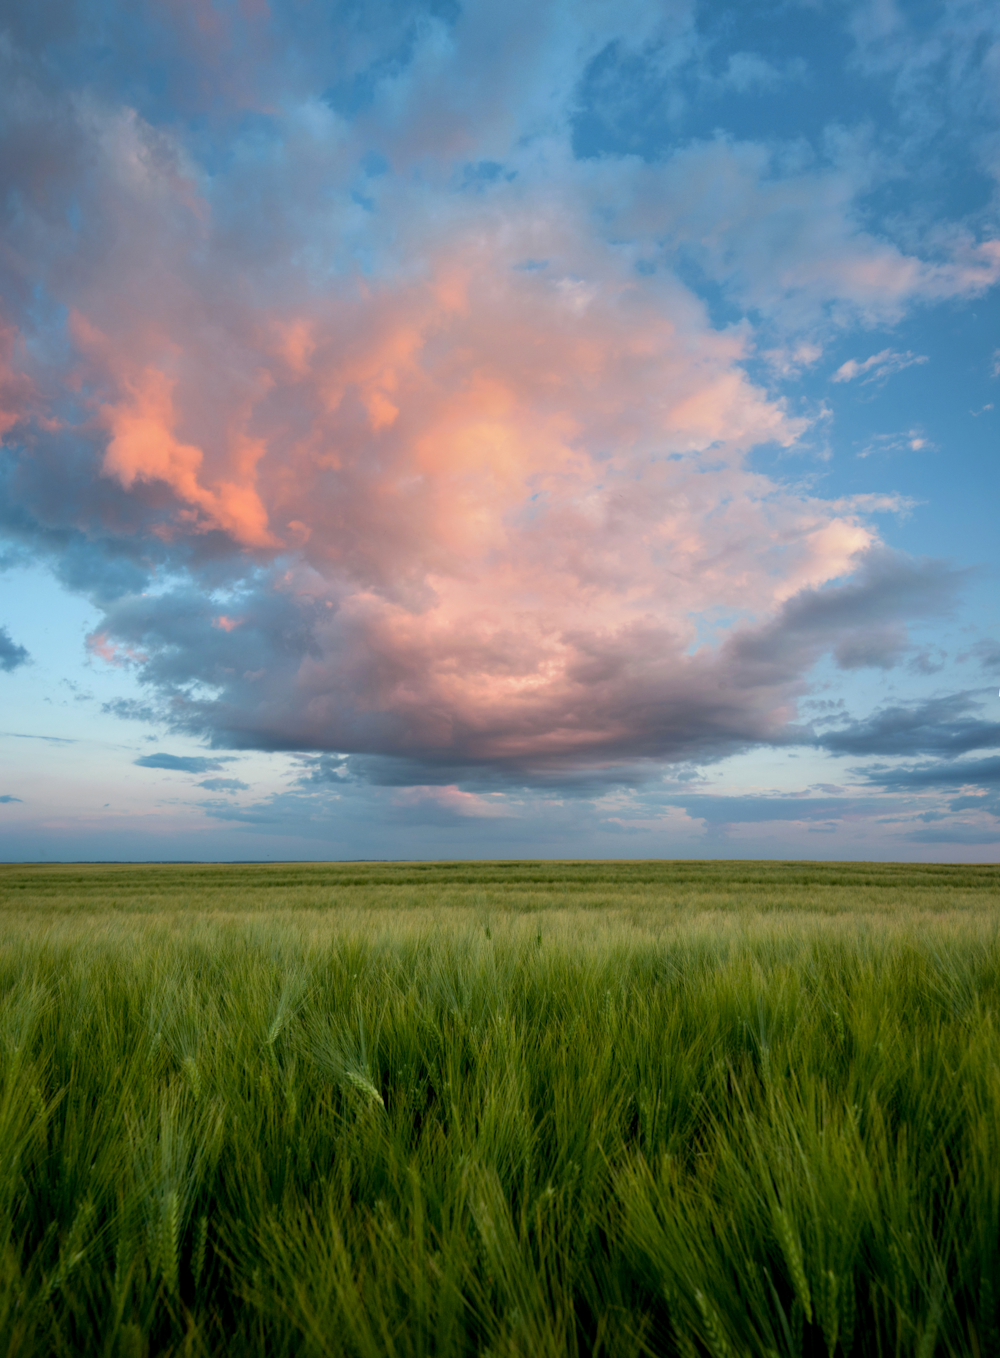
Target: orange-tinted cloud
<point>510,500</point>
<point>474,465</point>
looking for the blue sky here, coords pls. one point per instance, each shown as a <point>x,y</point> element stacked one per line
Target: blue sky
<point>462,430</point>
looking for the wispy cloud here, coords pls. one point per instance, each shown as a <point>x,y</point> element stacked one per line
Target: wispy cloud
<point>878,368</point>
<point>182,763</point>
<point>49,740</point>
<point>905,441</point>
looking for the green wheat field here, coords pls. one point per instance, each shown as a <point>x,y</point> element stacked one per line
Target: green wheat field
<point>534,1109</point>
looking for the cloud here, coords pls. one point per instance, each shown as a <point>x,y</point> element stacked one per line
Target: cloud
<point>956,835</point>
<point>939,76</point>
<point>751,809</point>
<point>878,367</point>
<point>849,617</point>
<point>50,740</point>
<point>793,359</point>
<point>748,71</point>
<point>441,805</point>
<point>343,475</point>
<point>8,798</point>
<point>780,234</point>
<point>576,686</point>
<point>873,648</point>
<point>11,655</point>
<point>181,763</point>
<point>906,441</point>
<point>986,651</point>
<point>944,726</point>
<point>223,784</point>
<point>576,782</point>
<point>961,773</point>
<point>130,709</point>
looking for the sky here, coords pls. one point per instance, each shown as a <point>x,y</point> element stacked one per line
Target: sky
<point>462,430</point>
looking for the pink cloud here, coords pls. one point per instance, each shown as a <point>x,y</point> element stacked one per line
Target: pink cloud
<point>509,494</point>
<point>113,652</point>
<point>474,507</point>
<point>17,391</point>
<point>143,447</point>
<point>452,799</point>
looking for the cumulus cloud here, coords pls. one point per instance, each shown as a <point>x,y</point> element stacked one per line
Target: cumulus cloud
<point>578,686</point>
<point>399,433</point>
<point>224,785</point>
<point>11,654</point>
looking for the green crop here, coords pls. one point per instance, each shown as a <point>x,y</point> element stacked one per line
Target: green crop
<point>705,1109</point>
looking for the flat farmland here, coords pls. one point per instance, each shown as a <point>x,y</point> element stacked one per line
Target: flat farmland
<point>532,1108</point>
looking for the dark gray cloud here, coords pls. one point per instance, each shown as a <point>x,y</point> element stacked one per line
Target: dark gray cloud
<point>945,726</point>
<point>872,648</point>
<point>130,709</point>
<point>385,771</point>
<point>180,763</point>
<point>859,618</point>
<point>942,774</point>
<point>297,676</point>
<point>11,557</point>
<point>11,655</point>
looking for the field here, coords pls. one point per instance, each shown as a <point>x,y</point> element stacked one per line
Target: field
<point>525,1109</point>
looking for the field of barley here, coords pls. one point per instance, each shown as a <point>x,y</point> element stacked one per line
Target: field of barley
<point>532,1109</point>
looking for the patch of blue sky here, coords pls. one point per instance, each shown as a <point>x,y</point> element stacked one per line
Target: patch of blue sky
<point>374,164</point>
<point>722,308</point>
<point>354,91</point>
<point>257,137</point>
<point>48,695</point>
<point>744,74</point>
<point>928,432</point>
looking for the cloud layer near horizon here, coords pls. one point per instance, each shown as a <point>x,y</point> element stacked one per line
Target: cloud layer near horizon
<point>379,418</point>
